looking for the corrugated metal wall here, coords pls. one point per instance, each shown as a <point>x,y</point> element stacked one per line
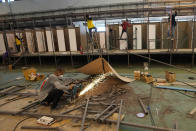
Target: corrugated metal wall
<point>24,6</point>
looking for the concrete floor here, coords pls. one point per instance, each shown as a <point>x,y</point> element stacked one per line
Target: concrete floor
<point>167,106</point>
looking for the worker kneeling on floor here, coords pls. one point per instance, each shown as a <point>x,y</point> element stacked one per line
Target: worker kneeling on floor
<point>53,88</point>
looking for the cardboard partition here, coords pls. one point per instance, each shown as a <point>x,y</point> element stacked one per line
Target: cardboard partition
<point>50,41</point>
<point>137,37</point>
<point>152,36</point>
<point>11,41</point>
<point>2,44</point>
<point>72,39</point>
<point>41,42</point>
<point>61,39</point>
<point>30,41</point>
<point>102,39</point>
<point>123,41</point>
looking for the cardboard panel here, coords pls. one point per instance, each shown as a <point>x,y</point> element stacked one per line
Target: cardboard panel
<point>152,35</point>
<point>144,36</point>
<point>72,39</point>
<point>78,38</point>
<point>107,37</point>
<point>50,43</point>
<point>114,37</point>
<point>30,41</point>
<point>130,37</point>
<point>55,40</point>
<point>158,35</point>
<point>11,42</point>
<point>83,35</point>
<point>2,44</point>
<point>166,42</point>
<point>184,34</point>
<point>66,36</point>
<point>123,43</point>
<point>40,41</point>
<point>137,37</point>
<point>102,39</point>
<point>61,40</point>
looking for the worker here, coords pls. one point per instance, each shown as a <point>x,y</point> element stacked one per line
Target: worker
<point>90,25</point>
<point>18,43</point>
<point>171,29</point>
<point>53,88</point>
<point>125,24</point>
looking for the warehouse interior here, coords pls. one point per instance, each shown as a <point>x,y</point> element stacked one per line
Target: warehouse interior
<point>124,65</point>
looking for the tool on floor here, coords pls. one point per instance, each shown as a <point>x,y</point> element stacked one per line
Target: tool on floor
<point>142,106</point>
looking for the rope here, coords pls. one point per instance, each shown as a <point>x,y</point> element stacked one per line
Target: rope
<point>181,68</point>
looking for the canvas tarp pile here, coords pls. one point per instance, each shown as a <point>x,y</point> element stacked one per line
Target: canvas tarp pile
<point>100,66</point>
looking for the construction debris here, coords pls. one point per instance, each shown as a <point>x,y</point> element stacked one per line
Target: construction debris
<point>32,75</point>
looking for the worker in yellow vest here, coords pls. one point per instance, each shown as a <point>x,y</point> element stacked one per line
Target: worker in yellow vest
<point>18,43</point>
<point>90,25</point>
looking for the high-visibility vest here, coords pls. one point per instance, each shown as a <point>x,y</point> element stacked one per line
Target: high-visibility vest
<point>90,24</point>
<point>18,42</point>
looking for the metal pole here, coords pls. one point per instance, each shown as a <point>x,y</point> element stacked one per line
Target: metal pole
<point>51,33</point>
<point>171,44</point>
<point>148,42</point>
<point>84,115</point>
<point>119,115</point>
<point>40,62</point>
<point>71,58</point>
<point>193,41</point>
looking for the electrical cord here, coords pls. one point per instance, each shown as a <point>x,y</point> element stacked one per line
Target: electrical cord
<point>20,123</point>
